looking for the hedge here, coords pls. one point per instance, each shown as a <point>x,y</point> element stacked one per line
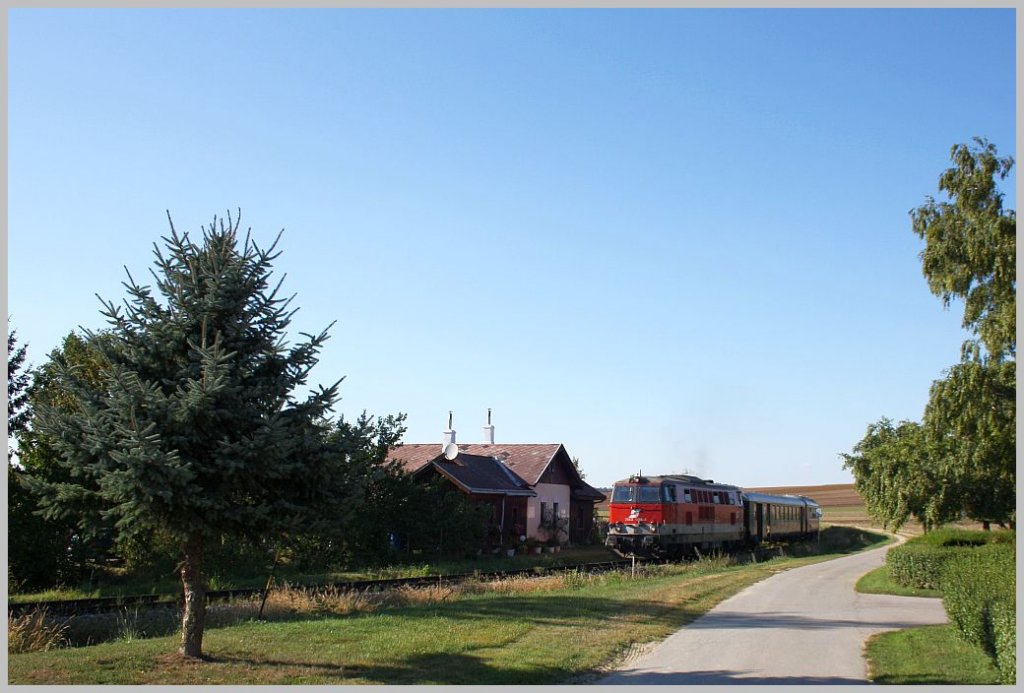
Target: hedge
<point>979,593</point>
<point>920,565</point>
<point>921,561</point>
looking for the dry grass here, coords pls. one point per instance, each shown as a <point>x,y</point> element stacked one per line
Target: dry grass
<point>35,632</point>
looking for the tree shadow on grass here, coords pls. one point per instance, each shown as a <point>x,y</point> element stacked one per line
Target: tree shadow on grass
<point>554,609</point>
<point>439,668</point>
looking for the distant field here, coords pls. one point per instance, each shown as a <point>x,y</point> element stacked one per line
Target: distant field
<point>841,505</point>
<point>828,496</point>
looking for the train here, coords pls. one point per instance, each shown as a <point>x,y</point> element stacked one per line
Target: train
<point>679,515</point>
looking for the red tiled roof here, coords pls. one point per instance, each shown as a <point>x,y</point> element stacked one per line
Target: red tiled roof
<point>528,460</point>
<point>413,456</point>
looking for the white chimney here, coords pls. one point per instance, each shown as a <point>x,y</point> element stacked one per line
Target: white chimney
<point>488,430</point>
<point>449,435</point>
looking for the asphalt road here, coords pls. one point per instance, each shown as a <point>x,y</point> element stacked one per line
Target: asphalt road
<point>802,626</point>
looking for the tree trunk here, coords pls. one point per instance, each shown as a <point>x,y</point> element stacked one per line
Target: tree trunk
<point>194,618</point>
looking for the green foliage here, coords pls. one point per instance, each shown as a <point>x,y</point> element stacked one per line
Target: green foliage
<point>921,562</point>
<point>50,551</point>
<point>971,244</point>
<point>1004,630</point>
<point>951,536</point>
<point>40,553</point>
<point>366,443</point>
<point>980,597</point>
<point>973,413</point>
<point>919,566</point>
<point>896,472</point>
<point>18,381</point>
<point>443,521</point>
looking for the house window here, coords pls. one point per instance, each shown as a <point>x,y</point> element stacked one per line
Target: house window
<point>554,511</point>
<point>547,514</point>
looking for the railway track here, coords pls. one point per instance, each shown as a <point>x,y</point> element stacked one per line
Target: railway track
<point>77,607</point>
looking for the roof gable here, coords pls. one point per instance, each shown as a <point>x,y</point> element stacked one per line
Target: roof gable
<point>479,474</point>
<point>528,461</point>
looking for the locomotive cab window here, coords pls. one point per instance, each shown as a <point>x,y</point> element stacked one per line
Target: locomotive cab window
<point>669,494</point>
<point>686,496</point>
<point>624,494</point>
<point>649,494</point>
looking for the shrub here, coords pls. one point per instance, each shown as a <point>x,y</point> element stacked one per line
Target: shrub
<point>947,537</point>
<point>919,565</point>
<point>980,596</point>
<point>1004,623</point>
<point>921,561</point>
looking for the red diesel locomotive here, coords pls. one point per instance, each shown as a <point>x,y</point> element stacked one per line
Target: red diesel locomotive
<point>672,516</point>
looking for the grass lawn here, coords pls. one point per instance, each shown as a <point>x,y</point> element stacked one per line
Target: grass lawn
<point>554,630</point>
<point>928,655</point>
<point>878,582</point>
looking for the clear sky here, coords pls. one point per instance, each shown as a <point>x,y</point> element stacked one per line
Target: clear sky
<point>673,240</point>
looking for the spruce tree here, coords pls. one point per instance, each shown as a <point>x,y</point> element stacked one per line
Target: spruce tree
<point>196,430</point>
<point>17,388</point>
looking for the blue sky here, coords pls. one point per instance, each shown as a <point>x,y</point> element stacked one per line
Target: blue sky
<point>673,240</point>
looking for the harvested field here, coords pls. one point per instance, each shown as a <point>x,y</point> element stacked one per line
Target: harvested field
<point>841,505</point>
<point>827,496</point>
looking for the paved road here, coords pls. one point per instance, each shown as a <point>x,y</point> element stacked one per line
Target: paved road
<point>802,626</point>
